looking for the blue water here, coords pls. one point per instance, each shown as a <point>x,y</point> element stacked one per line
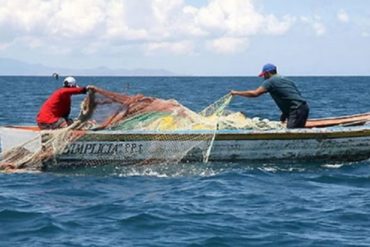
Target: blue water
<point>213,204</point>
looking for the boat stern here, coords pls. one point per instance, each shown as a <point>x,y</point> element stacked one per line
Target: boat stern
<point>13,137</point>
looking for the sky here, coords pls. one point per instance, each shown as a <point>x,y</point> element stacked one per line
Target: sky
<point>191,37</point>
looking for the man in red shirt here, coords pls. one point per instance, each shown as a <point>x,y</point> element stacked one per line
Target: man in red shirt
<point>55,111</point>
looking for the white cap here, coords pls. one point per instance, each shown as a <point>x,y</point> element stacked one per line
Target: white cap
<point>70,82</point>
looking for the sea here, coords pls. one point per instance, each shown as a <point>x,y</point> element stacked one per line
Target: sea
<point>192,204</point>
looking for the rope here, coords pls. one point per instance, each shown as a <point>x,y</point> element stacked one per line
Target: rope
<point>217,109</point>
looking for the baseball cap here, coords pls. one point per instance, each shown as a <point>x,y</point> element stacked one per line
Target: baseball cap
<point>70,82</point>
<point>267,68</point>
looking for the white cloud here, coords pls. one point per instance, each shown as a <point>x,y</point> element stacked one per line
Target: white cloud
<point>179,48</point>
<point>159,25</point>
<point>343,16</point>
<point>316,24</point>
<point>30,41</point>
<point>227,45</point>
<point>25,16</point>
<point>319,28</point>
<point>278,27</point>
<point>238,18</point>
<point>163,9</point>
<point>4,46</point>
<point>76,18</point>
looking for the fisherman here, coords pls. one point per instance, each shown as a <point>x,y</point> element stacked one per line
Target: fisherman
<point>54,113</point>
<point>286,95</point>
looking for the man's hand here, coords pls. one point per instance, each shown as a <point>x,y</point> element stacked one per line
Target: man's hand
<point>233,92</point>
<point>250,93</point>
<point>90,87</point>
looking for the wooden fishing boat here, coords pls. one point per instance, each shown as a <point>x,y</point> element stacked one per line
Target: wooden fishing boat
<point>333,139</point>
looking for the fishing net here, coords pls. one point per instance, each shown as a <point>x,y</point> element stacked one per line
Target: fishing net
<point>123,129</point>
<point>113,111</point>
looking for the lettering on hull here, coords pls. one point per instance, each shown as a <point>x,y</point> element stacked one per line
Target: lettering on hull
<point>336,149</point>
<point>103,149</point>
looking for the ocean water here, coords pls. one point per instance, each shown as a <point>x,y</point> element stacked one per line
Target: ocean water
<point>195,204</point>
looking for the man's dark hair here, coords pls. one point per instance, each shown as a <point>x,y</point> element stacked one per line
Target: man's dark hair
<point>273,72</point>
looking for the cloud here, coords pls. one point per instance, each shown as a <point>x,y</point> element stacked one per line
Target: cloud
<point>76,18</point>
<point>157,25</point>
<point>315,24</point>
<point>275,26</point>
<point>319,28</point>
<point>343,16</point>
<point>238,18</point>
<point>179,48</point>
<point>228,45</point>
<point>4,46</point>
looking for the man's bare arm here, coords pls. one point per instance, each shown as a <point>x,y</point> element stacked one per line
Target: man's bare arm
<point>250,93</point>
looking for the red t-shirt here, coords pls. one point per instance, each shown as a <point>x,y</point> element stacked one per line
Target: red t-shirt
<point>58,105</point>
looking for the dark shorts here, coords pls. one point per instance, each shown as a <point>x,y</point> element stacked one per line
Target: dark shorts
<point>297,118</point>
<point>61,123</point>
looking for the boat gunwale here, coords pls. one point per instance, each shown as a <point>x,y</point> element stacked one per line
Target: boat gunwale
<point>220,135</point>
<point>295,134</point>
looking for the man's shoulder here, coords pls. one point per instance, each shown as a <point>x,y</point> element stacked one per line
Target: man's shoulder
<point>267,84</point>
<point>57,91</point>
<point>61,90</point>
<point>273,79</point>
<point>277,78</point>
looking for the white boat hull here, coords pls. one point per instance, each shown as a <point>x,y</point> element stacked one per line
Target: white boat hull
<point>332,144</point>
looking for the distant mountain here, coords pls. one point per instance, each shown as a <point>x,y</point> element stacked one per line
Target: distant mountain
<point>14,67</point>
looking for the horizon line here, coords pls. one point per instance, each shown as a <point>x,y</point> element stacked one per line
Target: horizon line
<point>287,75</point>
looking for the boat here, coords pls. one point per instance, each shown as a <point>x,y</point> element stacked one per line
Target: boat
<point>331,139</point>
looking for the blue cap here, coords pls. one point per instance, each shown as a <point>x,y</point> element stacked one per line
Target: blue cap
<point>267,68</point>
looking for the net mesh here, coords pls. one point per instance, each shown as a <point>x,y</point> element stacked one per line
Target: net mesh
<point>152,130</point>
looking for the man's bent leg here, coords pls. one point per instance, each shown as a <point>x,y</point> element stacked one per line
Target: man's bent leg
<point>61,123</point>
<point>298,117</point>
